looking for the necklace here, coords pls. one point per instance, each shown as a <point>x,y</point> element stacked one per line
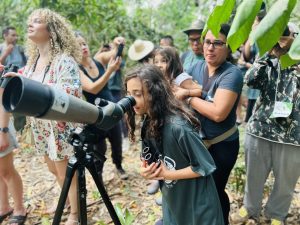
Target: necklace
<point>89,65</point>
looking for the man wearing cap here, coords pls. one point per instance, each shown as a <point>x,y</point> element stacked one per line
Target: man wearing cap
<point>272,141</point>
<point>194,55</point>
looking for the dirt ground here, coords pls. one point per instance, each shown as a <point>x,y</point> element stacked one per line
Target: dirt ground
<point>41,191</point>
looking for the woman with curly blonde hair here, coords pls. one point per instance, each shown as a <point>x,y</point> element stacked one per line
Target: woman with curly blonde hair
<point>53,53</point>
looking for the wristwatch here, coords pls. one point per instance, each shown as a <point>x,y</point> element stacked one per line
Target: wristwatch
<point>4,129</point>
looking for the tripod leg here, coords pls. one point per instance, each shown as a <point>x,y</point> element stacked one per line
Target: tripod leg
<point>92,169</point>
<point>82,192</point>
<point>71,168</point>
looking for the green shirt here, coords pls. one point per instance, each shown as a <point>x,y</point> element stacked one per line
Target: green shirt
<point>189,59</point>
<point>190,201</point>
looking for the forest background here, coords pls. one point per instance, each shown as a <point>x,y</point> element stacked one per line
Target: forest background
<point>100,21</point>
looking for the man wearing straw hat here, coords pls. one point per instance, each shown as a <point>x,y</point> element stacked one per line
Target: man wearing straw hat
<point>141,51</point>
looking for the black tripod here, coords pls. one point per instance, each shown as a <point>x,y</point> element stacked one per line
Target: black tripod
<point>81,140</point>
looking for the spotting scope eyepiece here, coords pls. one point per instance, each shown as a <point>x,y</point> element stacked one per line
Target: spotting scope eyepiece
<point>31,98</point>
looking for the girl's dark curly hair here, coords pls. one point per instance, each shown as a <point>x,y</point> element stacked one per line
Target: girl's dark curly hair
<point>174,66</point>
<point>160,101</point>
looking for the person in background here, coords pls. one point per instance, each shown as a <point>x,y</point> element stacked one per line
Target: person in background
<point>170,131</point>
<point>191,57</point>
<point>52,55</point>
<point>272,141</point>
<point>115,83</point>
<point>166,40</point>
<point>243,66</point>
<point>168,61</point>
<point>10,180</point>
<point>94,77</point>
<point>141,51</point>
<point>222,84</point>
<point>12,53</point>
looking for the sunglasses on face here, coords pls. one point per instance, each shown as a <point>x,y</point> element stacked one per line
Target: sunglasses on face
<point>215,44</point>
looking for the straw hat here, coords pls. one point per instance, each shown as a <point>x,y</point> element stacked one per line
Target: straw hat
<point>139,49</point>
<point>197,25</point>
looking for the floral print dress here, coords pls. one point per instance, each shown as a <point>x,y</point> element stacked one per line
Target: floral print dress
<point>51,136</point>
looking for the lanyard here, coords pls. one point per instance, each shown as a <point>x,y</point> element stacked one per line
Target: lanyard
<point>45,70</point>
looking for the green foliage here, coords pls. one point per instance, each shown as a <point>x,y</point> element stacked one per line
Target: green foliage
<point>125,217</point>
<point>101,20</point>
<point>96,194</point>
<point>272,26</point>
<point>286,60</point>
<point>46,221</point>
<point>98,20</point>
<point>242,23</point>
<point>239,173</point>
<point>220,15</point>
<point>295,48</point>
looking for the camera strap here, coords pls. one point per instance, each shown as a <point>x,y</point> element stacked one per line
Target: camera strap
<point>45,70</point>
<point>155,146</point>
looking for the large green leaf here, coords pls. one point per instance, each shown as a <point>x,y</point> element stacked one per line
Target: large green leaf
<point>219,15</point>
<point>272,26</point>
<point>120,214</point>
<point>295,49</point>
<point>242,23</point>
<point>287,61</point>
<point>129,217</point>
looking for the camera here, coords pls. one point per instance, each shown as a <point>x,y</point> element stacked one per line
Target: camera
<point>120,50</point>
<point>9,68</point>
<point>31,98</point>
<point>150,155</point>
<point>150,148</point>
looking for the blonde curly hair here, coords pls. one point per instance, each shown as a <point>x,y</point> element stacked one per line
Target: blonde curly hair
<point>62,38</point>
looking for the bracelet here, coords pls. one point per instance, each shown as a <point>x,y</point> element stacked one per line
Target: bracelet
<point>4,129</point>
<point>188,100</point>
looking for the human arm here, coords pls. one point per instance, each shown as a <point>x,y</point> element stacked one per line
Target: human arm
<point>195,89</point>
<point>218,103</point>
<point>9,48</point>
<point>247,51</point>
<point>219,109</point>
<point>257,76</point>
<point>185,86</point>
<point>104,57</point>
<point>160,172</point>
<point>95,87</point>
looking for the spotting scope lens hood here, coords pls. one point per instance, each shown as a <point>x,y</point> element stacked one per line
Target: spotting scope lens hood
<point>31,98</point>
